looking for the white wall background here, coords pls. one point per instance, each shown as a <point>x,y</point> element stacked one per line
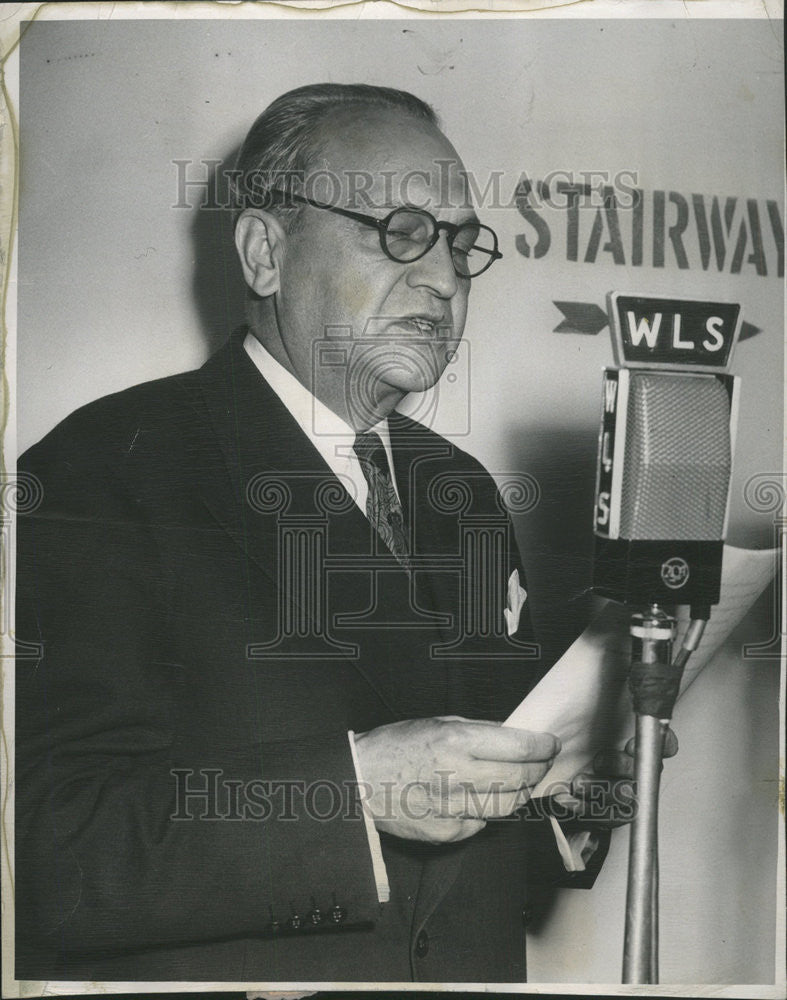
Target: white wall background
<point>116,286</point>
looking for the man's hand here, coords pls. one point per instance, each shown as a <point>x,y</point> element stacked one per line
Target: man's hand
<point>441,779</point>
<point>606,798</point>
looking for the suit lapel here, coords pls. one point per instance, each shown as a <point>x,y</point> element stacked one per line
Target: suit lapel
<point>273,468</point>
<point>290,515</point>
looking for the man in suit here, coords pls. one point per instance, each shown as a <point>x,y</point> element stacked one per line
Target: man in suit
<point>270,626</point>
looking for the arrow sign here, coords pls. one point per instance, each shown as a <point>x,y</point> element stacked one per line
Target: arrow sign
<point>748,330</point>
<point>653,331</point>
<point>581,317</point>
<point>590,319</point>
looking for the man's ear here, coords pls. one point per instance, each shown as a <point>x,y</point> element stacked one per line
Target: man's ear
<point>260,239</point>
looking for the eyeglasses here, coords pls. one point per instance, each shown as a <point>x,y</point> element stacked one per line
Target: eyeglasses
<point>407,234</point>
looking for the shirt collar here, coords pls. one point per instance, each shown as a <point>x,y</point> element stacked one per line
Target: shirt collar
<point>328,432</point>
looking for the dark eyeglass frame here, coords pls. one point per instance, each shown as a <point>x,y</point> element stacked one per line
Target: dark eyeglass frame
<point>381,225</point>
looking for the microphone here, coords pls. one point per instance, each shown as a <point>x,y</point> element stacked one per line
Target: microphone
<point>664,455</point>
<point>662,488</point>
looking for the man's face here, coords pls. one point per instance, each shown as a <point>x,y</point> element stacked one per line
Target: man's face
<point>404,319</point>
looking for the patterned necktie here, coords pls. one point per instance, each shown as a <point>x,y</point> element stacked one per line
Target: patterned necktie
<point>382,504</point>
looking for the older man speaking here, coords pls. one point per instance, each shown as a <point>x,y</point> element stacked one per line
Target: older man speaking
<point>279,623</point>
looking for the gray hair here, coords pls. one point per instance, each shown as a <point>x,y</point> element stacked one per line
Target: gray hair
<point>284,141</point>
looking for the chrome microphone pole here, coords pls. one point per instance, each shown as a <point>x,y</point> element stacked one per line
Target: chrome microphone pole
<point>654,683</point>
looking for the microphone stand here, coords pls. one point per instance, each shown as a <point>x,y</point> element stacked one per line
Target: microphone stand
<point>654,682</point>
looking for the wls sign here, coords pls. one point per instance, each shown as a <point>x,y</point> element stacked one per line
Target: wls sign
<point>673,333</point>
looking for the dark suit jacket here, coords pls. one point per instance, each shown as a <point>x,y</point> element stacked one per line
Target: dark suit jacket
<point>213,613</point>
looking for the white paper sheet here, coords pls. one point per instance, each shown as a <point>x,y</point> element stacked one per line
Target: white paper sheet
<point>584,699</point>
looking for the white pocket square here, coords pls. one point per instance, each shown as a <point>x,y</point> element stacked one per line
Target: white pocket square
<point>516,598</point>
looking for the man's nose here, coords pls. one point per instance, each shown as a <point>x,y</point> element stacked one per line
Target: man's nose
<point>436,270</point>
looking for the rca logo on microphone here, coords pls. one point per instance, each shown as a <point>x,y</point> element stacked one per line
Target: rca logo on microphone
<point>675,572</point>
<point>673,333</point>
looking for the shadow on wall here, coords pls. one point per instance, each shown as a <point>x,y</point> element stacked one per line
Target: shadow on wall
<point>217,282</point>
<point>556,537</point>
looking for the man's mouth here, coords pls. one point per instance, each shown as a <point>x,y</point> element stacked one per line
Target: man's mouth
<point>425,326</point>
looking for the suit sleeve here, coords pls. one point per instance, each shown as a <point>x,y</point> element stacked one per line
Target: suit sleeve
<point>126,838</point>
